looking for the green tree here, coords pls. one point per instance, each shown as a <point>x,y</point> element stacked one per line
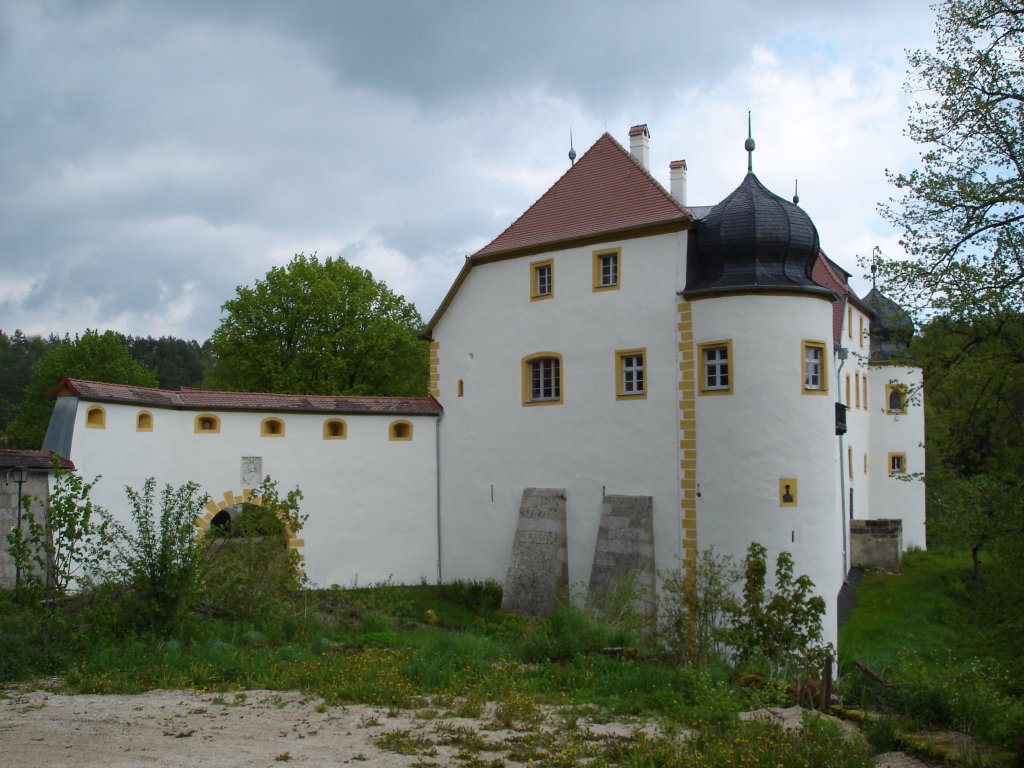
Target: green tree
<point>962,211</point>
<point>178,363</point>
<point>94,356</point>
<point>18,356</point>
<point>319,327</point>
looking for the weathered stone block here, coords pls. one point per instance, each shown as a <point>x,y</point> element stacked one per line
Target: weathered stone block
<point>624,554</point>
<point>876,544</point>
<point>538,573</point>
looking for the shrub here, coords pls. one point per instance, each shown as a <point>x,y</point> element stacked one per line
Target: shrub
<point>158,561</point>
<point>248,567</point>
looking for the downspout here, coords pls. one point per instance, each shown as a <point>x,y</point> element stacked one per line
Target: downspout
<point>437,482</point>
<point>843,354</point>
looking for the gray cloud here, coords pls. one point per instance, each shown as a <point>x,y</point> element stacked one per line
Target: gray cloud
<point>156,155</point>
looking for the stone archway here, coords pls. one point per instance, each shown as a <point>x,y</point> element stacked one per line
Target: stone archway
<point>230,505</point>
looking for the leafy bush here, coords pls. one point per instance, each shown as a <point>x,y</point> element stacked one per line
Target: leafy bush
<point>695,609</point>
<point>568,632</point>
<point>248,568</point>
<point>158,561</point>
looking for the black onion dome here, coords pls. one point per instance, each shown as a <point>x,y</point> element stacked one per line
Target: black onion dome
<point>891,329</point>
<point>753,240</point>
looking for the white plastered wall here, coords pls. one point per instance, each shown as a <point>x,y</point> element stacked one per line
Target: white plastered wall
<point>371,501</point>
<point>493,446</point>
<point>901,497</point>
<point>767,430</point>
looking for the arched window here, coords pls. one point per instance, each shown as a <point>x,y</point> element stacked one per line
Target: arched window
<point>207,423</point>
<point>542,379</point>
<point>335,429</point>
<point>144,422</point>
<point>96,418</point>
<point>272,428</point>
<point>400,430</point>
<point>895,399</point>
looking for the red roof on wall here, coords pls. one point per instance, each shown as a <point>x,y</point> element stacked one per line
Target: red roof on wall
<point>605,191</point>
<point>203,399</point>
<point>32,460</point>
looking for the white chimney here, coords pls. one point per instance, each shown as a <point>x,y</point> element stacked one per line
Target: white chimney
<point>640,145</point>
<point>677,180</point>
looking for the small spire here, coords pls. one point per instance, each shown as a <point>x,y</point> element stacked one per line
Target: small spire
<point>572,152</point>
<point>749,146</point>
<point>796,192</point>
<point>874,267</point>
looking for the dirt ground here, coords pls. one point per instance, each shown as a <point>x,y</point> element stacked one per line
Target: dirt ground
<point>215,730</point>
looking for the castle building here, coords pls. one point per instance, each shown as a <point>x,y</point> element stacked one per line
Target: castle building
<point>614,347</point>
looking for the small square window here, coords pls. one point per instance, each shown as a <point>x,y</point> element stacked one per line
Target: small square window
<point>716,368</point>
<point>542,280</point>
<point>897,463</point>
<point>606,269</point>
<point>630,374</point>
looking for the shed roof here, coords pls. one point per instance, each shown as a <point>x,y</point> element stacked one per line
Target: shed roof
<point>32,460</point>
<point>203,399</point>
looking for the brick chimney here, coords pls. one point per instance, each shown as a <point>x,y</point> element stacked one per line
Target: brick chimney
<point>640,145</point>
<point>677,180</point>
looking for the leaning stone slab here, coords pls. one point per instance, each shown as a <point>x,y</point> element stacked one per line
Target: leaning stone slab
<point>624,554</point>
<point>538,573</point>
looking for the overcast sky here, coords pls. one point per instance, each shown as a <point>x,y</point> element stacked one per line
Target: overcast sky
<point>155,155</point>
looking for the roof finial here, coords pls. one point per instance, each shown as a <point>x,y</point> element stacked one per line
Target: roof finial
<point>796,191</point>
<point>749,146</point>
<point>572,152</point>
<point>875,252</point>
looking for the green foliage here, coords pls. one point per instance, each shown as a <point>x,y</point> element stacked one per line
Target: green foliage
<point>159,561</point>
<point>570,632</point>
<point>93,355</point>
<point>695,609</point>
<point>18,356</point>
<point>782,626</point>
<point>248,567</point>
<point>960,211</point>
<point>178,363</point>
<point>319,327</point>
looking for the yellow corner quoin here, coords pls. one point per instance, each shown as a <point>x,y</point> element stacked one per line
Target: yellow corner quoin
<point>435,372</point>
<point>687,435</point>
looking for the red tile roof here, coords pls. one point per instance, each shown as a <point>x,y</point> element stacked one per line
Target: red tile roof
<point>830,275</point>
<point>605,191</point>
<point>37,460</point>
<point>202,399</point>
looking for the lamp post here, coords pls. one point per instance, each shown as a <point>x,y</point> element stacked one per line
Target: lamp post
<point>18,475</point>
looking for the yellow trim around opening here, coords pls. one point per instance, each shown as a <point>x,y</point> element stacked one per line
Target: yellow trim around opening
<point>527,376</point>
<point>702,388</point>
<point>596,269</point>
<point>400,430</point>
<point>788,484</point>
<point>822,389</point>
<point>341,433</point>
<point>902,389</point>
<point>534,266</point>
<point>198,425</point>
<point>272,427</point>
<point>144,421</point>
<point>902,456</point>
<point>96,417</point>
<point>620,384</point>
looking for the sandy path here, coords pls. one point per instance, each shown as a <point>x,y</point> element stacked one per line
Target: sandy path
<point>184,728</point>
